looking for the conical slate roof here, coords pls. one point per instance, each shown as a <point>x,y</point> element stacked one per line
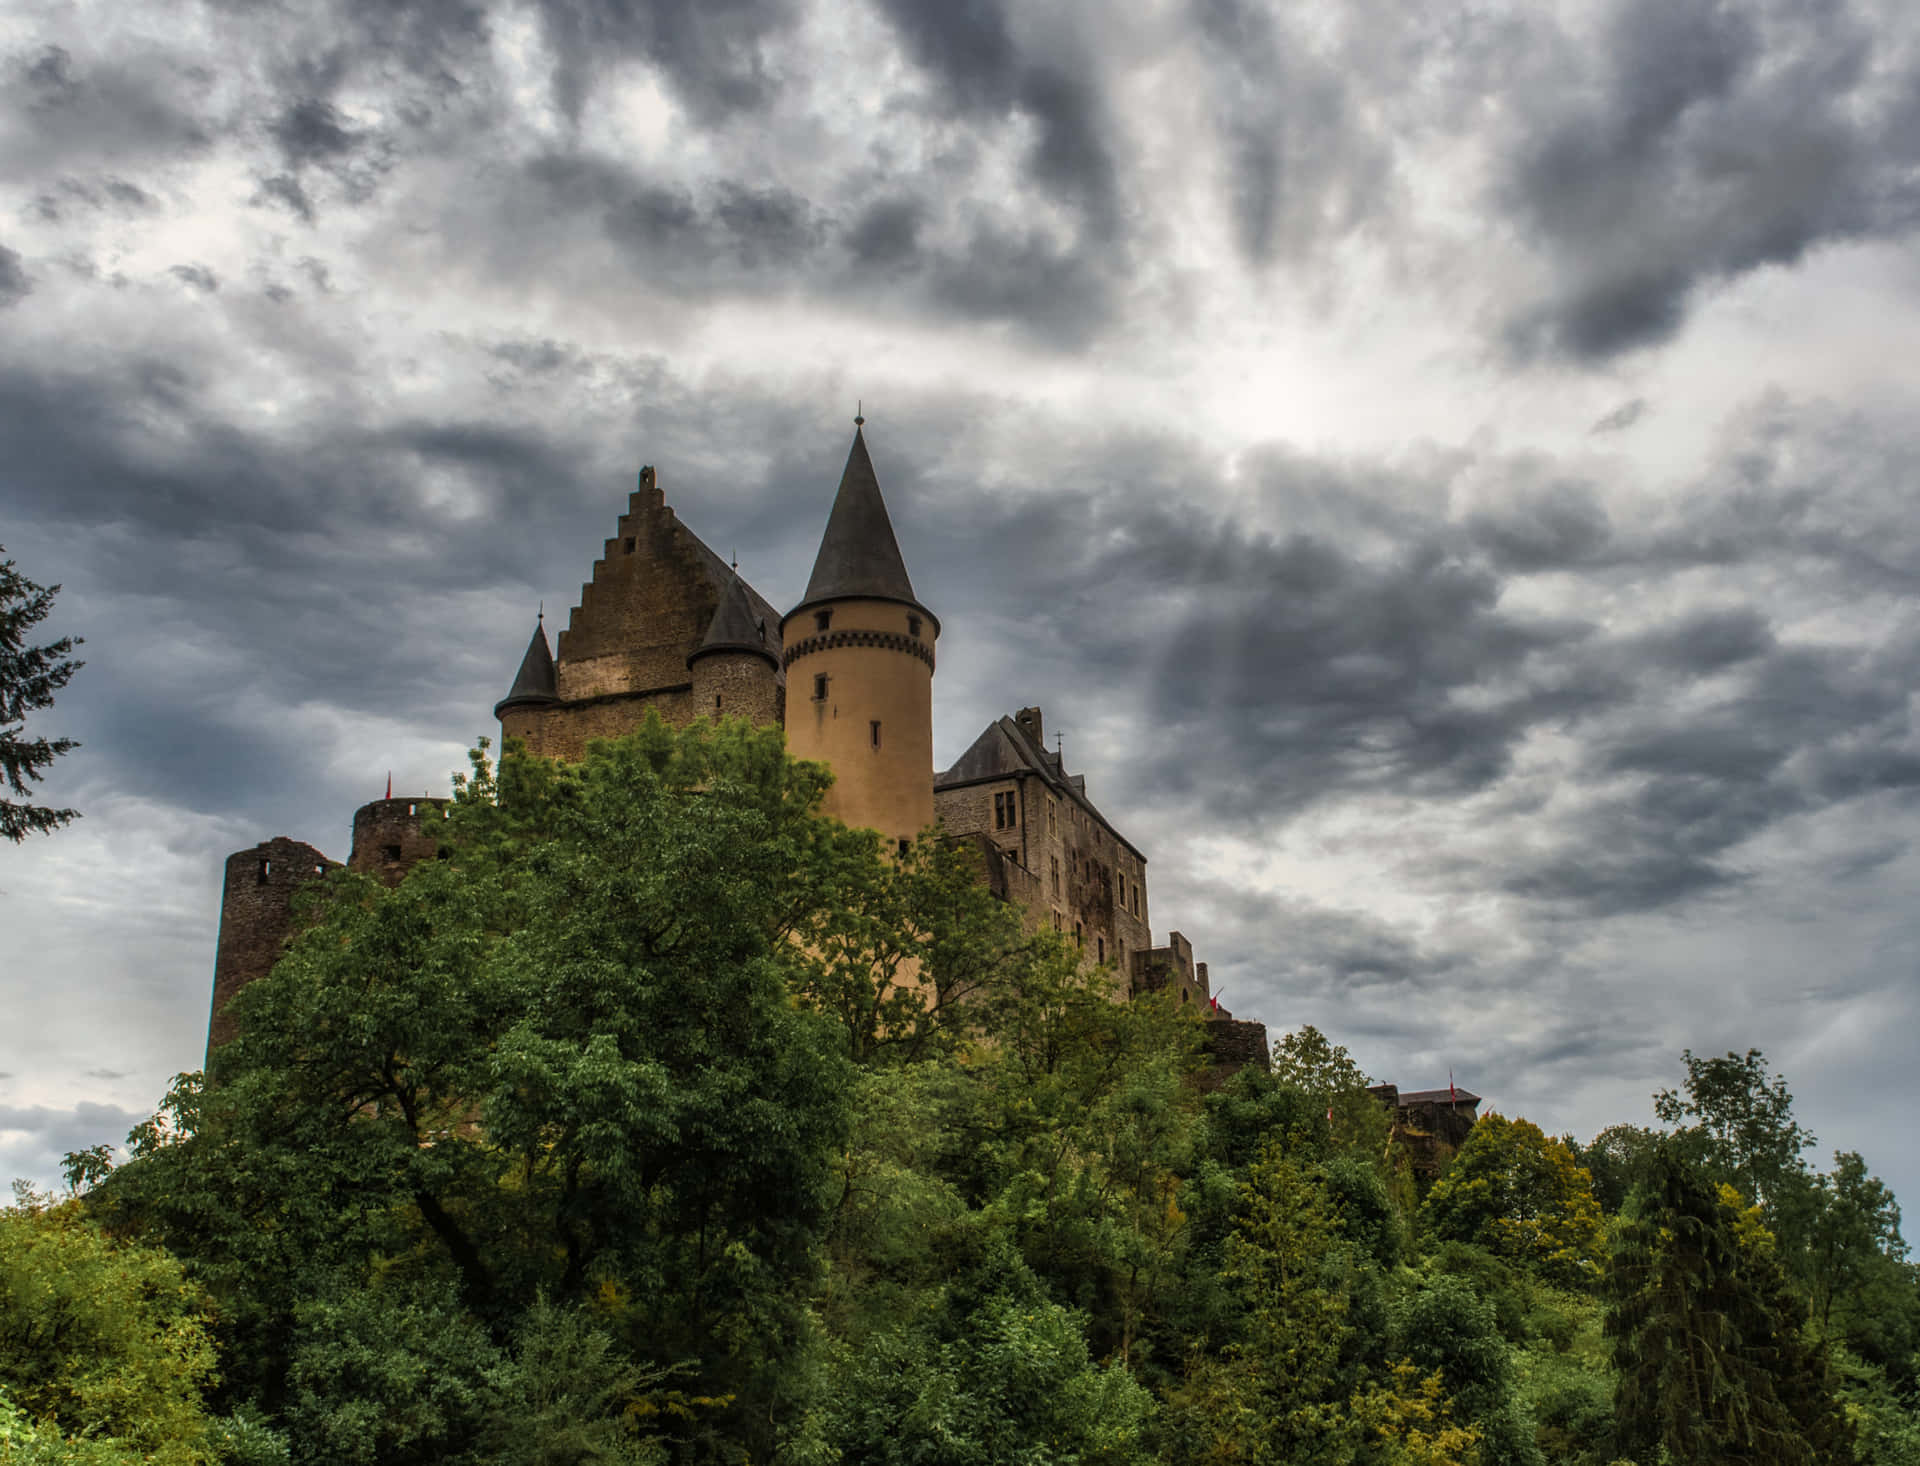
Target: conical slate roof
<point>859,557</point>
<point>735,627</point>
<point>536,682</point>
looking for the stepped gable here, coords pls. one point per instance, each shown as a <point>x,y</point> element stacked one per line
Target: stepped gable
<point>536,684</point>
<point>653,595</point>
<point>736,628</point>
<point>859,557</point>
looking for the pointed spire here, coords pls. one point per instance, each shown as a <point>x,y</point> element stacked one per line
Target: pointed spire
<point>859,557</point>
<point>536,683</point>
<point>735,627</point>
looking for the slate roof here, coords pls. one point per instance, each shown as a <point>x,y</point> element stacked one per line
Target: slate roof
<point>859,557</point>
<point>1005,751</point>
<point>1438,1096</point>
<point>536,682</point>
<point>735,627</point>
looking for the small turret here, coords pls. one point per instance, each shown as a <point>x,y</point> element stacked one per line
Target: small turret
<point>535,689</point>
<point>736,667</point>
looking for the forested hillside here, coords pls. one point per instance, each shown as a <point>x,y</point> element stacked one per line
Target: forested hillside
<point>616,1136</point>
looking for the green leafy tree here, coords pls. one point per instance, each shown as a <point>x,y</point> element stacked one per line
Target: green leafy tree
<point>1618,1159</point>
<point>1522,1196</point>
<point>29,678</point>
<point>1742,1129</point>
<point>102,1340</point>
<point>564,1061</point>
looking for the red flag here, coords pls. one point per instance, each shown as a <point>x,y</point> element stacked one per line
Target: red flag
<point>1213,1002</point>
<point>389,783</point>
<point>1452,1097</point>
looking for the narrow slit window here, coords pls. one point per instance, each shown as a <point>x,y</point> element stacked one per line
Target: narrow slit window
<point>627,545</point>
<point>820,687</point>
<point>873,733</point>
<point>913,627</point>
<point>266,869</point>
<point>716,702</point>
<point>822,620</point>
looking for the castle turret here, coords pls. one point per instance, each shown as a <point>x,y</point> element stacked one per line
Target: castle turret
<point>535,690</point>
<point>736,667</point>
<point>858,651</point>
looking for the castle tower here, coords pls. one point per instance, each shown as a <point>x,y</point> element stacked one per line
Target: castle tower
<point>736,667</point>
<point>391,836</point>
<point>256,918</point>
<point>522,712</point>
<point>858,652</point>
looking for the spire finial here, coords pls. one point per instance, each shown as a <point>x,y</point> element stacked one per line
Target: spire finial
<point>543,613</point>
<point>859,413</point>
<point>736,562</point>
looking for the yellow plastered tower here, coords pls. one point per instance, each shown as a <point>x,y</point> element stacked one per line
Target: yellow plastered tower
<point>858,654</point>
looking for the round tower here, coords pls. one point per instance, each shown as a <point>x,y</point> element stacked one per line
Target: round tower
<point>858,653</point>
<point>256,918</point>
<point>391,836</point>
<point>736,668</point>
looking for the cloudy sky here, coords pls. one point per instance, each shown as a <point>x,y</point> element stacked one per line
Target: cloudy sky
<point>1447,471</point>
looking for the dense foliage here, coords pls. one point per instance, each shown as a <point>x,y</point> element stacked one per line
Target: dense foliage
<point>662,1121</point>
<point>29,678</point>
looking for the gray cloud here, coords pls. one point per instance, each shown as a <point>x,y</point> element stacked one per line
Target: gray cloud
<point>34,1138</point>
<point>1622,417</point>
<point>14,285</point>
<point>1712,139</point>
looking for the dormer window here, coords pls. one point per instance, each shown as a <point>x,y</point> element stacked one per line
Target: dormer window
<point>913,627</point>
<point>822,620</point>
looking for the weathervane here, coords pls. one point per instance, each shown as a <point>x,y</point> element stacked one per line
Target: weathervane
<point>859,413</point>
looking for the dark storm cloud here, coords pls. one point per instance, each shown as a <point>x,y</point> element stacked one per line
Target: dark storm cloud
<point>1708,139</point>
<point>713,54</point>
<point>61,112</point>
<point>1305,165</point>
<point>1622,417</point>
<point>14,285</point>
<point>312,131</point>
<point>198,276</point>
<point>971,52</point>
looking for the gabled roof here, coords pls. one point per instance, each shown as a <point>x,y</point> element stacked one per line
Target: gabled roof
<point>1438,1097</point>
<point>536,682</point>
<point>859,557</point>
<point>1004,751</point>
<point>735,627</point>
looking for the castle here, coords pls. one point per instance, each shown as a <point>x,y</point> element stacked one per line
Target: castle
<point>666,625</point>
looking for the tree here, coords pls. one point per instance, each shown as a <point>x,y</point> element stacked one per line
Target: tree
<point>1523,1196</point>
<point>101,1339</point>
<point>1744,1130</point>
<point>1709,1364</point>
<point>565,1061</point>
<point>29,677</point>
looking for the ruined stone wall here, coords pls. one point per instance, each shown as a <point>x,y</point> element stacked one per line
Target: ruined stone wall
<point>390,836</point>
<point>256,918</point>
<point>1171,968</point>
<point>1233,1044</point>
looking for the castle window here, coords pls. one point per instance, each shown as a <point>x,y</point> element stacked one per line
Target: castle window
<point>1056,921</point>
<point>913,626</point>
<point>820,687</point>
<point>1076,934</point>
<point>409,809</point>
<point>1056,874</point>
<point>391,852</point>
<point>822,620</point>
<point>1100,944</point>
<point>266,869</point>
<point>716,702</point>
<point>906,848</point>
<point>627,545</point>
<point>873,733</point>
<point>1053,821</point>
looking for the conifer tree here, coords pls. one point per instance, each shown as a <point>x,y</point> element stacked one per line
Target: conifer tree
<point>29,677</point>
<point>1709,1362</point>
